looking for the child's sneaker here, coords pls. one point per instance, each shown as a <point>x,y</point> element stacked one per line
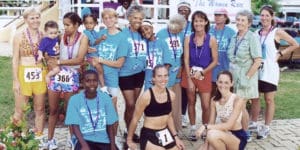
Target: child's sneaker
<point>262,132</point>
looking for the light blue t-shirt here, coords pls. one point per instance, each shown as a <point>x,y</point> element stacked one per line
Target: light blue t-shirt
<point>112,48</point>
<point>78,114</point>
<point>154,57</point>
<point>92,36</point>
<point>173,46</point>
<point>223,38</point>
<point>136,57</point>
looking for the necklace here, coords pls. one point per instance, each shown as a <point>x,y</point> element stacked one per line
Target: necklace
<point>94,123</point>
<point>136,45</point>
<point>34,51</point>
<point>72,44</point>
<point>151,56</point>
<point>196,47</point>
<point>173,43</point>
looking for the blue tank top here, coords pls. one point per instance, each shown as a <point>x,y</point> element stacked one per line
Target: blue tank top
<point>200,56</point>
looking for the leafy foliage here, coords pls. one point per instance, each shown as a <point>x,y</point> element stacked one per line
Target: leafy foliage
<point>16,135</point>
<point>257,4</point>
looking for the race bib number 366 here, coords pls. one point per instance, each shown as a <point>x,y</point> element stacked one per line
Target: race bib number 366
<point>64,77</point>
<point>33,74</point>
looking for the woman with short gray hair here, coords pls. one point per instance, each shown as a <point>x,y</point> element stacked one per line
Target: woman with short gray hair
<point>244,54</point>
<point>172,41</point>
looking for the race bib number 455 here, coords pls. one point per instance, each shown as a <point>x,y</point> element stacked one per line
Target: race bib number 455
<point>33,74</point>
<point>64,77</point>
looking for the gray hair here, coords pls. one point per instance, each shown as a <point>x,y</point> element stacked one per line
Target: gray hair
<point>177,22</point>
<point>135,9</point>
<point>246,13</point>
<point>31,10</point>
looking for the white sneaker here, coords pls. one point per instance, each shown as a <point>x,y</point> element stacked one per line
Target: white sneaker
<point>43,143</point>
<point>262,132</point>
<point>52,144</point>
<point>249,136</point>
<point>192,135</point>
<point>252,127</point>
<point>71,142</point>
<point>119,142</point>
<point>184,121</point>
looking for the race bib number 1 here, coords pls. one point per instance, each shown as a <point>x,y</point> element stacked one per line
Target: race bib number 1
<point>164,137</point>
<point>33,74</point>
<point>64,77</point>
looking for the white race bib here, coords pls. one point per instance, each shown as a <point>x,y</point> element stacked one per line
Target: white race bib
<point>164,137</point>
<point>33,74</point>
<point>64,77</point>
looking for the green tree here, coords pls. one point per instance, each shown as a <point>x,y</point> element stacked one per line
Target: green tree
<point>257,4</point>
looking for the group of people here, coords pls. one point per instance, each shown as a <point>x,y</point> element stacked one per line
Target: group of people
<point>225,67</point>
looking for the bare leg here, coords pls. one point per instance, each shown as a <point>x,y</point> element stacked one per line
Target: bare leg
<point>221,140</point>
<point>53,100</point>
<point>129,105</point>
<point>255,109</point>
<point>176,107</point>
<point>66,102</point>
<point>245,117</point>
<point>191,106</point>
<point>20,102</point>
<point>205,102</point>
<point>270,107</point>
<point>39,109</point>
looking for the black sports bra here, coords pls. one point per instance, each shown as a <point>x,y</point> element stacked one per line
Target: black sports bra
<point>155,109</point>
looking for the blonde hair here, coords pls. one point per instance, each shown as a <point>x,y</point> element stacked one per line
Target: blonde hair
<point>31,10</point>
<point>109,12</point>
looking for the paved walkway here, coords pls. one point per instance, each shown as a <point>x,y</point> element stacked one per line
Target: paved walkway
<point>285,134</point>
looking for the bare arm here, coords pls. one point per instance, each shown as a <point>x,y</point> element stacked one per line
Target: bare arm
<point>118,63</point>
<point>79,137</point>
<point>214,54</point>
<point>254,67</point>
<point>15,62</point>
<point>81,53</point>
<point>282,35</point>
<point>111,136</point>
<point>142,102</point>
<point>171,125</point>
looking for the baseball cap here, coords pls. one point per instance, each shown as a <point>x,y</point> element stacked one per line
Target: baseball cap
<point>221,11</point>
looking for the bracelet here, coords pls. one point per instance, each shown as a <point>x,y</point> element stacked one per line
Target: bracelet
<point>280,53</point>
<point>175,135</point>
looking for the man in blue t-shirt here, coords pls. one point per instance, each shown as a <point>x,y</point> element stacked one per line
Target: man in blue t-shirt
<point>91,116</point>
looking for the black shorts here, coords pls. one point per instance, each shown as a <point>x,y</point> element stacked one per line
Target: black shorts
<point>132,82</point>
<point>151,136</point>
<point>264,87</point>
<point>94,146</point>
<point>242,135</point>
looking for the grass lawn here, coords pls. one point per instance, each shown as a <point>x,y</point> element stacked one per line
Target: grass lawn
<point>287,97</point>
